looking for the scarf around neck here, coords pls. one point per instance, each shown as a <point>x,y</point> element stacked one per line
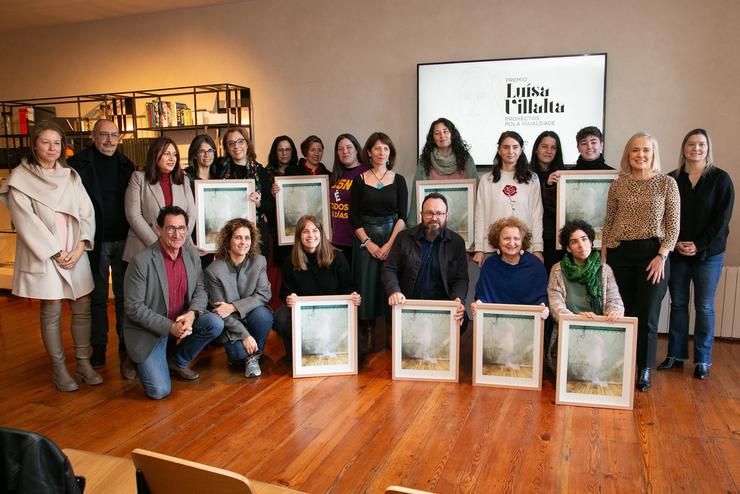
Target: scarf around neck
<point>444,165</point>
<point>587,274</point>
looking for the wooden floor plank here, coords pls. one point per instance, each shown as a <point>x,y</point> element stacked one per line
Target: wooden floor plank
<point>360,433</point>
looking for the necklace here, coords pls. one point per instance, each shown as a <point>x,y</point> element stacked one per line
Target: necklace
<point>380,183</point>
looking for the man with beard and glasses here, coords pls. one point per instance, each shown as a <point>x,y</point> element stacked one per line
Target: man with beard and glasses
<point>428,261</point>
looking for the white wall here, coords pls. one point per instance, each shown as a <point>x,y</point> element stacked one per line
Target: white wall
<point>327,67</point>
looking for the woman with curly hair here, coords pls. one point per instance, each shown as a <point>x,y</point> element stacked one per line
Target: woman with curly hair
<point>580,283</point>
<point>512,275</point>
<point>445,156</point>
<point>509,189</point>
<point>239,291</point>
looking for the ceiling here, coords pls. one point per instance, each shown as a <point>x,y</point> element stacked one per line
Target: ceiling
<point>24,14</point>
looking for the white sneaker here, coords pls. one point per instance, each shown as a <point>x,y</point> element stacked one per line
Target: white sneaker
<point>253,366</point>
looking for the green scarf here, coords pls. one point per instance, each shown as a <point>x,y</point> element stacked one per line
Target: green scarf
<point>444,165</point>
<point>587,274</point>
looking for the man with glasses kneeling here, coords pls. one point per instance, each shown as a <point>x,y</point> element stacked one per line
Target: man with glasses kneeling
<point>428,261</point>
<point>165,298</point>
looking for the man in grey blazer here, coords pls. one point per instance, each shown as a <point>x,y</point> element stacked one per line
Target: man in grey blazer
<point>164,296</point>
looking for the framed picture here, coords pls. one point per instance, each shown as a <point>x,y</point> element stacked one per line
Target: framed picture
<point>426,341</point>
<point>299,196</point>
<point>507,346</point>
<point>582,195</point>
<point>596,362</point>
<point>218,201</point>
<point>324,336</point>
<point>460,195</point>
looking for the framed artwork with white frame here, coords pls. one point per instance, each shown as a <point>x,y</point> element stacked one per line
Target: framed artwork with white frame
<point>596,361</point>
<point>299,196</point>
<point>217,202</point>
<point>582,195</point>
<point>460,195</point>
<point>426,341</point>
<point>324,336</point>
<point>508,345</point>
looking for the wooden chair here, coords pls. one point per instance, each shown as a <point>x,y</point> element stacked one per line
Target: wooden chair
<point>165,474</point>
<point>397,489</point>
<point>103,473</point>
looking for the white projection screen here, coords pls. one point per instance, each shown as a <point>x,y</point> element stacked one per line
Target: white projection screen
<point>526,95</point>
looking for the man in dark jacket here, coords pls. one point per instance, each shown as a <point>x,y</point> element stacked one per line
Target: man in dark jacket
<point>428,262</point>
<point>105,173</point>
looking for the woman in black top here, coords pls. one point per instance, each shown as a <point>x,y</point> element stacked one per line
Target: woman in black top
<point>707,197</point>
<point>314,268</point>
<point>377,211</point>
<point>240,162</point>
<point>547,157</point>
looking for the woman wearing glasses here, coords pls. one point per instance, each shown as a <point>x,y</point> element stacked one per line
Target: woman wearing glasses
<point>239,163</point>
<point>201,157</point>
<point>162,183</point>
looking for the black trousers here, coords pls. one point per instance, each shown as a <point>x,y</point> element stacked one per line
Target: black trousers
<point>641,298</point>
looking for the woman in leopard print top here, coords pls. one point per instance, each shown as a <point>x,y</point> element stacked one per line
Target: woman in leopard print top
<point>640,229</point>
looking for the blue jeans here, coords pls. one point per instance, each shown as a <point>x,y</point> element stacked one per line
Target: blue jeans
<point>153,371</point>
<point>258,323</point>
<point>110,257</point>
<point>705,275</point>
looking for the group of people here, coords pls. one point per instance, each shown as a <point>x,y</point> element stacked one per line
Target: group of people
<point>172,300</point>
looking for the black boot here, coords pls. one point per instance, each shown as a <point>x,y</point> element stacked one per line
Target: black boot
<point>670,363</point>
<point>643,382</point>
<point>97,358</point>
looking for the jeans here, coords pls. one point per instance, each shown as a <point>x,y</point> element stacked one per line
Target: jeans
<point>705,275</point>
<point>641,298</point>
<point>258,323</point>
<point>153,371</point>
<point>110,257</point>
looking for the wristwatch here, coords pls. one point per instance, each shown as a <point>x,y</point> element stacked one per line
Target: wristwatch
<point>664,256</point>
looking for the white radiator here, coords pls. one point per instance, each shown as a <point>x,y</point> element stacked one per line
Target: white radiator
<point>727,298</point>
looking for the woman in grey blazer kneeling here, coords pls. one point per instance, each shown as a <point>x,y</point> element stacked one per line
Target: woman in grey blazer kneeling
<point>239,291</point>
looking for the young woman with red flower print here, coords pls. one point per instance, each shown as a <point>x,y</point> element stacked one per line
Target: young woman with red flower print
<point>509,189</point>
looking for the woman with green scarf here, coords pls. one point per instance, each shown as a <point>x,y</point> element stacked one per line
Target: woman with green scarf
<point>580,283</point>
<point>445,156</point>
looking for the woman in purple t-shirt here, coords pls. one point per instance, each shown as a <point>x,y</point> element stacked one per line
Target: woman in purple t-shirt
<point>346,168</point>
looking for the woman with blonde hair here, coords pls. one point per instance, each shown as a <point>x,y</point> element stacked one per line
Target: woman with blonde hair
<point>640,228</point>
<point>238,290</point>
<point>55,225</point>
<point>314,267</point>
<point>707,198</point>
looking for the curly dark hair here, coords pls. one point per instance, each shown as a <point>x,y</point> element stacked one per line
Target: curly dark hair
<point>572,226</point>
<point>494,231</point>
<point>459,147</point>
<point>557,161</point>
<point>522,173</point>
<point>224,238</point>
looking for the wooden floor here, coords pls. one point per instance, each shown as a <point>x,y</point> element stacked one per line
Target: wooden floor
<point>365,432</point>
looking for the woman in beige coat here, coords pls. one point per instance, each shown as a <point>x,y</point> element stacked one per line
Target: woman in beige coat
<point>162,183</point>
<point>55,224</point>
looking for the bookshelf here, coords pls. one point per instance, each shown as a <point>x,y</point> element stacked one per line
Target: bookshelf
<point>180,113</point>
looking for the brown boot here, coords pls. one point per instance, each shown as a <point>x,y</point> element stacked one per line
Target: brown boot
<point>51,336</point>
<point>81,337</point>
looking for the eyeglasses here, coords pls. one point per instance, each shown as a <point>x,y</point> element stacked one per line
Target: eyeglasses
<point>172,230</point>
<point>238,142</point>
<point>113,136</point>
<point>432,214</point>
<point>203,152</point>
